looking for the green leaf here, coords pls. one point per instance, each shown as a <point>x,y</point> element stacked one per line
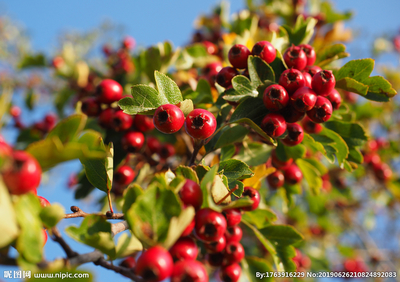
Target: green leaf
<point>302,32</point>
<point>235,169</point>
<point>347,130</point>
<point>253,154</point>
<point>281,234</point>
<point>145,98</point>
<point>206,186</point>
<point>94,231</point>
<point>331,53</point>
<point>318,165</point>
<point>259,71</point>
<point>131,194</point>
<point>178,225</point>
<point>68,128</point>
<point>32,60</point>
<point>257,268</point>
<point>186,106</point>
<point>251,108</point>
<point>227,152</point>
<point>356,69</point>
<point>8,224</point>
<point>244,86</point>
<point>204,92</point>
<point>286,255</point>
<point>260,217</point>
<point>339,145</point>
<point>150,60</point>
<point>311,175</point>
<point>257,129</point>
<point>201,171</point>
<point>352,85</point>
<point>167,88</point>
<point>284,153</point>
<point>51,215</point>
<point>309,141</point>
<point>187,172</point>
<point>127,245</point>
<point>230,135</point>
<point>331,15</point>
<point>355,156</point>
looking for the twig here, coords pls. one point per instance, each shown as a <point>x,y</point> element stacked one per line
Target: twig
<point>197,146</point>
<point>67,249</point>
<point>127,272</point>
<point>77,212</point>
<point>227,195</point>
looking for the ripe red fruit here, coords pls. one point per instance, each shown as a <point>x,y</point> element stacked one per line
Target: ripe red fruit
<point>290,114</point>
<point>215,259</point>
<point>238,55</point>
<point>188,228</point>
<point>168,118</point>
<point>155,264</point>
<point>90,107</point>
<point>234,253</point>
<point>225,75</point>
<point>322,110</point>
<point>323,82</point>
<point>124,175</point>
<point>293,174</point>
<point>295,57</point>
<point>210,225</point>
<point>49,121</point>
<point>184,249</point>
<point>295,135</point>
<point>233,216</point>
<point>275,97</point>
<point>233,234</point>
<point>132,141</point>
<point>265,50</point>
<point>105,118</point>
<point>44,236</point>
<point>143,123</point>
<point>121,121</point>
<point>311,127</point>
<point>335,99</point>
<point>382,172</point>
<point>200,124</point>
<point>15,111</point>
<point>312,70</point>
<point>210,47</point>
<point>308,79</point>
<point>217,246</point>
<point>153,145</point>
<point>276,179</point>
<point>211,70</point>
<point>24,175</point>
<point>44,202</point>
<point>273,124</point>
<point>109,91</point>
<point>129,42</point>
<point>230,273</point>
<point>278,163</point>
<point>310,53</point>
<point>128,262</point>
<point>189,270</point>
<point>254,195</point>
<point>292,80</point>
<point>303,99</point>
<point>166,150</point>
<point>57,62</point>
<point>191,194</point>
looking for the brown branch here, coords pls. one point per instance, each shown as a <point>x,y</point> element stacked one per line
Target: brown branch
<point>67,249</point>
<point>77,212</point>
<point>197,146</point>
<point>127,272</point>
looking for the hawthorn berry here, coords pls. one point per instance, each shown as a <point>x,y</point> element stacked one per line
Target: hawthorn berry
<point>44,232</point>
<point>276,179</point>
<point>308,79</point>
<point>121,121</point>
<point>322,110</point>
<point>109,91</point>
<point>230,272</point>
<point>311,70</point>
<point>211,71</point>
<point>191,194</point>
<point>311,127</point>
<point>153,144</point>
<point>225,75</point>
<point>90,107</point>
<point>24,175</point>
<point>233,216</point>
<point>15,111</point>
<point>275,97</point>
<point>132,141</point>
<point>105,118</point>
<point>335,99</point>
<point>200,124</point>
<point>234,253</point>
<point>210,225</point>
<point>58,62</point>
<point>189,228</point>
<point>295,135</point>
<point>293,174</point>
<point>124,175</point>
<point>211,48</point>
<point>310,53</point>
<point>143,123</point>
<point>168,118</point>
<point>189,270</point>
<point>233,234</point>
<point>290,114</point>
<point>323,82</point>
<point>128,262</point>
<point>166,150</point>
<point>238,55</point>
<point>382,172</point>
<point>265,50</point>
<point>273,124</point>
<point>217,246</point>
<point>292,80</point>
<point>278,163</point>
<point>295,58</point>
<point>184,249</point>
<point>303,99</point>
<point>129,42</point>
<point>155,264</point>
<point>254,195</point>
<point>49,121</point>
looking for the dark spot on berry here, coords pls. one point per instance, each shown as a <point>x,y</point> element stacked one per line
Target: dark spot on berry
<point>210,230</point>
<point>270,128</point>
<point>236,51</point>
<point>300,104</point>
<point>257,49</point>
<point>275,93</point>
<point>232,248</point>
<point>198,122</point>
<point>321,113</point>
<point>294,135</point>
<point>150,274</point>
<point>163,116</point>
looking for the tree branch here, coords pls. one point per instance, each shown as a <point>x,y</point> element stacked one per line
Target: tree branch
<point>67,249</point>
<point>77,212</point>
<point>127,272</point>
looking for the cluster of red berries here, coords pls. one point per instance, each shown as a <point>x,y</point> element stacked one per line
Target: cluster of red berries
<point>43,127</point>
<point>381,170</point>
<point>354,265</point>
<point>302,261</point>
<point>120,60</point>
<point>199,123</point>
<point>286,172</point>
<point>218,232</point>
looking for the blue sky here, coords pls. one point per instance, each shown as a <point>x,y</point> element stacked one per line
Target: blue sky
<point>150,22</point>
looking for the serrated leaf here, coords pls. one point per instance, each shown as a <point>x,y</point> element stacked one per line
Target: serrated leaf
<point>311,175</point>
<point>145,98</point>
<point>8,224</point>
<point>167,88</point>
<point>254,153</point>
<point>68,128</point>
<point>244,86</point>
<point>352,85</point>
<point>340,146</point>
<point>127,245</point>
<point>187,172</point>
<point>302,31</point>
<point>251,108</point>
<point>52,214</point>
<point>259,71</point>
<point>206,185</point>
<point>281,234</point>
<point>331,53</point>
<point>256,268</point>
<point>235,169</point>
<point>131,194</point>
<point>260,217</point>
<point>178,225</point>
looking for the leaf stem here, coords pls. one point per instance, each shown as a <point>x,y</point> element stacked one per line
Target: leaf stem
<point>227,195</point>
<point>109,201</point>
<point>196,148</point>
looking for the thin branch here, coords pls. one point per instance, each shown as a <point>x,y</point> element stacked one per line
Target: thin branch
<point>77,212</point>
<point>127,272</point>
<point>85,258</point>
<point>67,249</point>
<point>119,227</point>
<point>197,146</point>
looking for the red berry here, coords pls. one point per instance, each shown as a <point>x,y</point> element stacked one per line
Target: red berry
<point>15,111</point>
<point>292,80</point>
<point>311,70</point>
<point>189,270</point>
<point>295,58</point>
<point>129,262</point>
<point>234,253</point>
<point>24,175</point>
<point>217,246</point>
<point>200,124</point>
<point>50,121</point>
<point>124,175</point>
<point>382,143</point>
<point>168,118</point>
<point>275,97</point>
<point>184,249</point>
<point>107,51</point>
<point>155,264</point>
<point>335,99</point>
<point>233,216</point>
<point>90,107</point>
<point>322,110</point>
<point>303,99</point>
<point>191,194</point>
<point>211,70</point>
<point>295,135</point>
<point>310,53</point>
<point>273,124</point>
<point>153,145</point>
<point>278,163</point>
<point>166,150</point>
<point>238,55</point>
<point>132,141</point>
<point>230,273</point>
<point>323,82</point>
<point>265,50</point>
<point>382,172</point>
<point>105,118</point>
<point>233,234</point>
<point>350,97</point>
<point>44,202</point>
<point>254,195</point>
<point>308,79</point>
<point>290,114</point>
<point>215,259</point>
<point>311,127</point>
<point>121,121</point>
<point>276,179</point>
<point>109,91</point>
<point>58,62</point>
<point>143,123</point>
<point>293,174</point>
<point>188,228</point>
<point>210,47</point>
<point>210,225</point>
<point>129,42</point>
<point>225,75</point>
<point>44,236</point>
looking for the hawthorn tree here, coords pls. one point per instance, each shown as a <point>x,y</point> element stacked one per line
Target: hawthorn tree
<point>247,151</point>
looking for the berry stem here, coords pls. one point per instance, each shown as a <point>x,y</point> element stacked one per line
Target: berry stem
<point>109,201</point>
<point>228,195</point>
<point>196,148</point>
